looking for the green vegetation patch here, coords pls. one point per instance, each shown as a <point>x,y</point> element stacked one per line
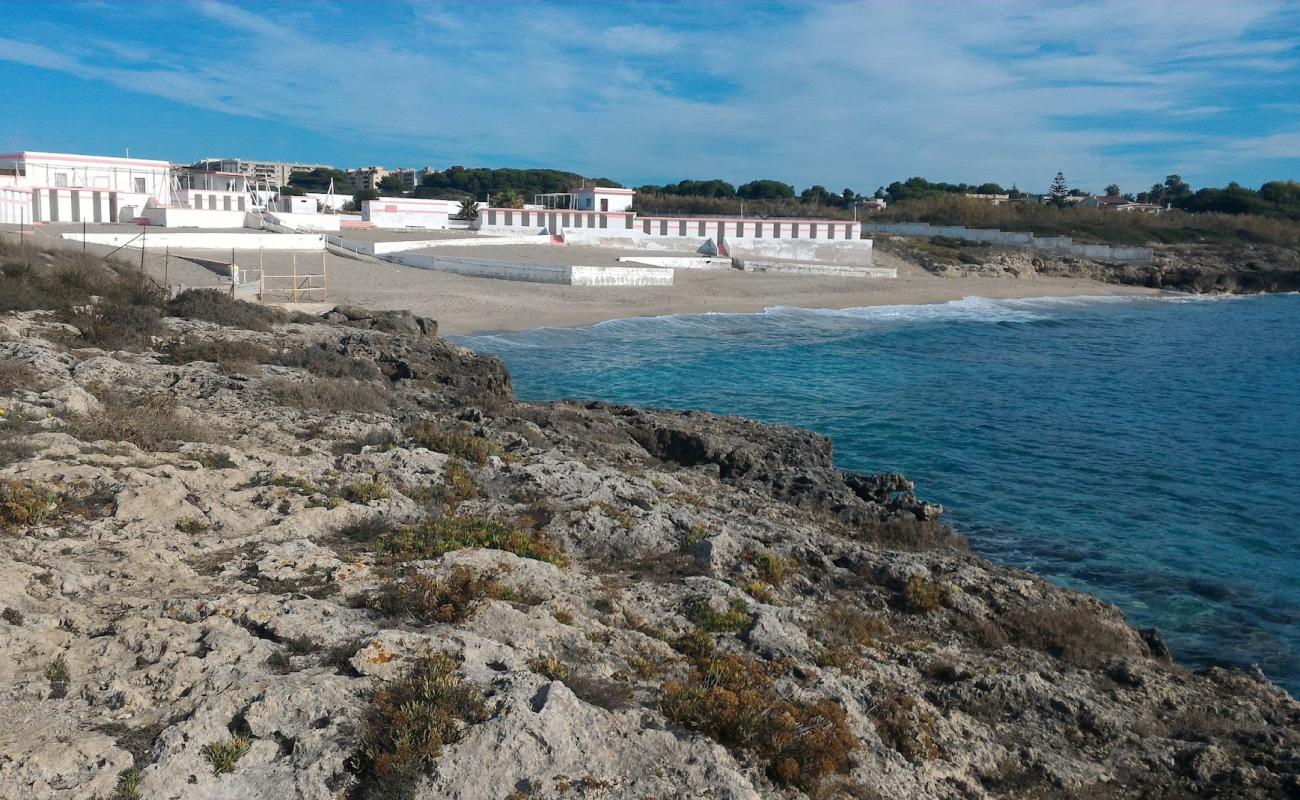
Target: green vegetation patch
<point>24,503</point>
<point>224,755</point>
<point>432,538</point>
<point>409,721</point>
<point>453,441</point>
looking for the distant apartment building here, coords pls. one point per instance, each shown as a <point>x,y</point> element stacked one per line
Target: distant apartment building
<point>991,199</point>
<point>366,177</point>
<point>369,177</point>
<point>274,173</point>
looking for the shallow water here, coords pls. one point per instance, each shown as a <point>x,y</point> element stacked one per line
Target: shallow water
<point>1144,450</point>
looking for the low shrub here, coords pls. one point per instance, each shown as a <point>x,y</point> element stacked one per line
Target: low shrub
<point>736,618</point>
<point>368,529</point>
<point>429,600</point>
<point>923,595</point>
<point>24,503</point>
<point>409,721</point>
<point>228,354</point>
<point>324,361</point>
<point>843,633</point>
<point>771,567</point>
<point>453,441</point>
<point>734,701</point>
<point>551,668</point>
<point>224,755</point>
<point>906,727</point>
<point>331,394</point>
<point>909,533</point>
<point>213,305</point>
<point>149,423</point>
<point>114,323</point>
<point>16,376</point>
<point>59,676</point>
<point>191,525</point>
<point>432,538</point>
<point>1075,634</point>
<point>366,491</point>
<point>128,785</point>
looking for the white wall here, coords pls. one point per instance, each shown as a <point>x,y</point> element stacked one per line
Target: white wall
<point>539,273</point>
<point>192,217</point>
<point>305,222</point>
<point>402,212</point>
<point>208,241</point>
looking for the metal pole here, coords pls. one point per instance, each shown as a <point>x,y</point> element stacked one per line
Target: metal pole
<point>167,267</point>
<point>295,276</point>
<point>83,236</point>
<point>143,242</point>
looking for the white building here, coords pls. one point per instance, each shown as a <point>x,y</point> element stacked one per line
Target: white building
<point>406,212</point>
<point>592,198</point>
<point>65,187</point>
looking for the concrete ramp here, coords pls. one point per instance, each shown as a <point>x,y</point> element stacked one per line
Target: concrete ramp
<point>680,262</point>
<point>813,268</point>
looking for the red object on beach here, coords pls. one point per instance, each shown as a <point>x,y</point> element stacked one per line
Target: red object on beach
<point>142,221</point>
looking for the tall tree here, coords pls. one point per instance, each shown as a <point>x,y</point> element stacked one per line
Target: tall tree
<point>1058,191</point>
<point>1113,190</point>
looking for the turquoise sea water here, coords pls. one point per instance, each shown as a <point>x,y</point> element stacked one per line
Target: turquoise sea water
<point>1144,450</point>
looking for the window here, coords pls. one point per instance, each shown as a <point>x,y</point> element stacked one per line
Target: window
<point>139,186</point>
<point>604,204</point>
<point>61,180</point>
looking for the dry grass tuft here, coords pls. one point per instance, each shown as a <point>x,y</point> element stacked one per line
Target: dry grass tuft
<point>332,394</point>
<point>409,722</point>
<point>1075,634</point>
<point>428,600</point>
<point>149,423</point>
<point>24,503</point>
<point>229,355</point>
<point>734,700</point>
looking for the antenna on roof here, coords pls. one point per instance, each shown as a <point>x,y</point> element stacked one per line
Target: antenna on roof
<point>128,152</point>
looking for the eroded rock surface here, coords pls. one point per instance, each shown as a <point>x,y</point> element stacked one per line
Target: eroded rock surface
<point>241,576</point>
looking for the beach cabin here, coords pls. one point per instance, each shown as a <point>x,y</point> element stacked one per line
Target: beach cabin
<point>38,187</point>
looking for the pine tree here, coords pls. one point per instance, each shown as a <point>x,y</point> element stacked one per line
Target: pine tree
<point>1059,191</point>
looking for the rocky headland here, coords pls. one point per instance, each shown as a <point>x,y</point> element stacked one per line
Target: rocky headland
<point>256,556</point>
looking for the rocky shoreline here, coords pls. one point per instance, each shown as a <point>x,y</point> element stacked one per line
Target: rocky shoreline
<point>1201,269</point>
<point>249,556</point>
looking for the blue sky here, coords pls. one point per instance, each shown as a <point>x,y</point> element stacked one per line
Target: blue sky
<point>839,93</point>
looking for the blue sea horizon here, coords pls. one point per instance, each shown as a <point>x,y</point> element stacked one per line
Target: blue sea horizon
<point>1146,450</point>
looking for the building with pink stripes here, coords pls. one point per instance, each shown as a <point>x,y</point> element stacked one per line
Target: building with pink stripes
<point>64,187</point>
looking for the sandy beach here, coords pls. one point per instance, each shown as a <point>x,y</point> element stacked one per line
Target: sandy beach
<point>465,305</point>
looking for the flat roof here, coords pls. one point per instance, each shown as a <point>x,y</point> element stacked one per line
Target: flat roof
<point>25,155</point>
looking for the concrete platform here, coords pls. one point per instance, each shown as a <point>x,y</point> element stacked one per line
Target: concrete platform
<point>565,275</point>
